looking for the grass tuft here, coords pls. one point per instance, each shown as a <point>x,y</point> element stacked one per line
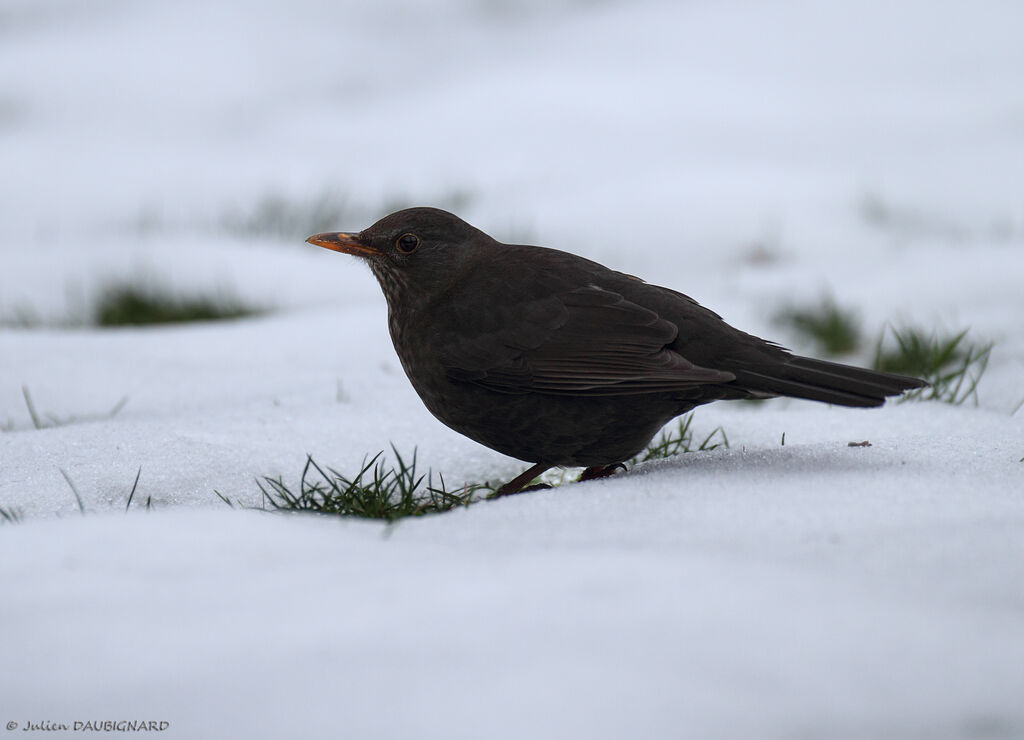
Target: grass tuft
<point>390,492</point>
<point>137,303</point>
<point>48,421</point>
<point>127,304</point>
<point>834,330</point>
<point>377,491</point>
<point>952,364</point>
<point>669,443</point>
<point>680,440</point>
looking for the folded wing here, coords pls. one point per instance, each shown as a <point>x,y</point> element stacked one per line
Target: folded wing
<point>584,342</point>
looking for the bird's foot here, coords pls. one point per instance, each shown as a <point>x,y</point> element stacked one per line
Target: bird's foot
<point>600,471</point>
<point>518,484</point>
<point>535,487</point>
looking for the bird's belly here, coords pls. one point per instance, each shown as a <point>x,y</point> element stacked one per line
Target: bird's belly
<point>559,430</point>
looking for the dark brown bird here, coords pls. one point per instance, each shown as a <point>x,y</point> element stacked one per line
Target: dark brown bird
<point>559,361</point>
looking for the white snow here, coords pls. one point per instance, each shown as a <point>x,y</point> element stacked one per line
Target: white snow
<point>762,591</point>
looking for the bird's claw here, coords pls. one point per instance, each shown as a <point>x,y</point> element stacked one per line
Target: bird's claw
<point>600,471</point>
<point>536,487</point>
<point>508,490</point>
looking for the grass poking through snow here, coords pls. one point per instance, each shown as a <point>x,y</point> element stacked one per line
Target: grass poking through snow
<point>74,490</point>
<point>128,304</point>
<point>377,491</point>
<point>138,302</point>
<point>678,441</point>
<point>834,330</point>
<point>47,421</point>
<point>386,491</point>
<point>950,362</point>
<point>10,516</point>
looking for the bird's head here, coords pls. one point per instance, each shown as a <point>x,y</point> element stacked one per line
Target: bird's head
<point>413,251</point>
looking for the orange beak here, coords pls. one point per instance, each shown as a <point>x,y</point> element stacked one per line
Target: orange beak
<point>340,241</point>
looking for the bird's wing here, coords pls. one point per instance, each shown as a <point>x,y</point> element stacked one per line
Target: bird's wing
<point>583,342</point>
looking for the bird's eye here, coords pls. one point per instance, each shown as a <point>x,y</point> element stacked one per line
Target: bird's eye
<point>407,243</point>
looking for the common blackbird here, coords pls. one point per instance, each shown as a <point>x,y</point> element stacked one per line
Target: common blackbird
<point>559,361</point>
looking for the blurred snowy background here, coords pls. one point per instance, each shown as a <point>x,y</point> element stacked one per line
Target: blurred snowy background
<point>750,154</point>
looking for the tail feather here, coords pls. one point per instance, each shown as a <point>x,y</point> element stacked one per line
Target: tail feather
<point>829,382</point>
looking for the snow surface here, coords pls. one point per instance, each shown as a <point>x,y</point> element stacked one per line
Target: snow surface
<point>731,150</point>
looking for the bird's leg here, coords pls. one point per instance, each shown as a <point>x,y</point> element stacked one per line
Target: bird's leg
<point>600,471</point>
<point>516,484</point>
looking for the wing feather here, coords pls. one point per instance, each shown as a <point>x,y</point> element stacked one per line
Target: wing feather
<point>583,342</point>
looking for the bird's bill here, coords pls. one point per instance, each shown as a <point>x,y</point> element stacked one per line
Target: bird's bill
<point>340,241</point>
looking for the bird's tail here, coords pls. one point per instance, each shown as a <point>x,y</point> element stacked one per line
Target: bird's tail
<point>830,382</point>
